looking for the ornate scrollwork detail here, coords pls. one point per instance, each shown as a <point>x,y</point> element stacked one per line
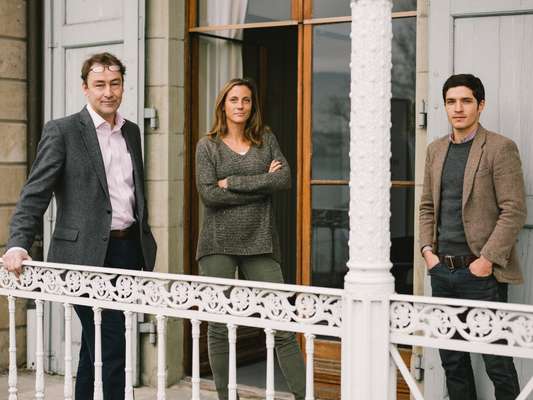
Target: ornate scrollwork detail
<point>266,303</point>
<point>482,325</point>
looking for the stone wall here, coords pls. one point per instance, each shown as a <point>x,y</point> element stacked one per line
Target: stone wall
<point>164,160</point>
<point>422,71</point>
<point>421,133</point>
<point>12,148</point>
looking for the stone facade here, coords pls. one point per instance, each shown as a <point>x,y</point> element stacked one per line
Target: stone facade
<point>164,151</point>
<point>13,165</point>
<point>164,159</point>
<point>422,77</point>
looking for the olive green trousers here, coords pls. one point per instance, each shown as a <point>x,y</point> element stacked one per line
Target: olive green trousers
<point>255,268</point>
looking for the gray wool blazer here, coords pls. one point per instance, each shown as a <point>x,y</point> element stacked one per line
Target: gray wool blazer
<point>69,164</point>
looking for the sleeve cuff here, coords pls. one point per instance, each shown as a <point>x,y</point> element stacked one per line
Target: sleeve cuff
<point>426,248</point>
<point>16,248</point>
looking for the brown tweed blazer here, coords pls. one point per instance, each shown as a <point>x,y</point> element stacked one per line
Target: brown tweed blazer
<point>494,201</point>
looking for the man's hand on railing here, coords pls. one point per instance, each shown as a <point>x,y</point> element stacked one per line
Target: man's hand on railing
<point>13,259</point>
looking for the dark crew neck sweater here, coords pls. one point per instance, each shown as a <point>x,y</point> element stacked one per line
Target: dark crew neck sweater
<point>451,232</point>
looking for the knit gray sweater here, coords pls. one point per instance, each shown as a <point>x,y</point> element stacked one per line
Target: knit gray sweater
<point>239,220</point>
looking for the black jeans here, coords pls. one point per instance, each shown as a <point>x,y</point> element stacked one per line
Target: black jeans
<point>462,284</point>
<point>120,254</point>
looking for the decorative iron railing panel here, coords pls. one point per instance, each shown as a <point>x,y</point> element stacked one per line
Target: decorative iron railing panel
<point>475,326</point>
<point>246,303</point>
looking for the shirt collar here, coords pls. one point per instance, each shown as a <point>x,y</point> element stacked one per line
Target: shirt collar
<point>98,121</point>
<point>467,139</point>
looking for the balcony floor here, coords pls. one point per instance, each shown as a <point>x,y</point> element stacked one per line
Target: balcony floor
<point>54,389</point>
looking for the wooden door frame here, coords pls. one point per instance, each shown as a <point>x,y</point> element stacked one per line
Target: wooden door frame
<point>301,15</point>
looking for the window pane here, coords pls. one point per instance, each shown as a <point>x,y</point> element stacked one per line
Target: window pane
<point>403,5</point>
<point>402,228</point>
<point>330,233</point>
<point>331,101</point>
<point>403,98</point>
<point>341,8</point>
<point>219,60</point>
<point>224,12</point>
<point>330,229</point>
<point>331,8</point>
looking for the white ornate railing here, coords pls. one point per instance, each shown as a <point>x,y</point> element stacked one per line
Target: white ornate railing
<point>452,324</point>
<point>465,325</point>
<point>308,310</point>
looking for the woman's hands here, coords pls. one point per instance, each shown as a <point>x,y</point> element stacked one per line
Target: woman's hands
<point>274,166</point>
<point>223,183</point>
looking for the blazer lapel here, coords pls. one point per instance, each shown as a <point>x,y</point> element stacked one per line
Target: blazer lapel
<point>476,151</point>
<point>135,154</point>
<point>90,139</point>
<point>438,164</point>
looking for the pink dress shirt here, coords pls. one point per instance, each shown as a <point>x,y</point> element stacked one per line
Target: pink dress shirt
<point>118,169</point>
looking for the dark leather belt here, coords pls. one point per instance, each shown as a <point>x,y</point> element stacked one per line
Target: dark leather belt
<point>454,262</point>
<point>124,234</point>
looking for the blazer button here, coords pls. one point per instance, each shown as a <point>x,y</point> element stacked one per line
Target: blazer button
<point>108,211</point>
<point>104,238</point>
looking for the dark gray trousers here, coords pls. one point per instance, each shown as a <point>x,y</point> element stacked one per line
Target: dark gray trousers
<point>120,254</point>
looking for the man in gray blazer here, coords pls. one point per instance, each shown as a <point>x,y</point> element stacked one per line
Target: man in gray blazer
<point>92,162</point>
<point>472,209</point>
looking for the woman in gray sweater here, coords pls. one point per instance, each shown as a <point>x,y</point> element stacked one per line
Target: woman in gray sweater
<point>238,166</point>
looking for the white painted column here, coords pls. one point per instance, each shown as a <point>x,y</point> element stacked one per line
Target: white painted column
<point>232,374</point>
<point>39,352</point>
<point>368,283</point>
<point>270,391</point>
<point>195,380</point>
<point>12,379</point>
<point>67,391</point>
<point>98,385</point>
<point>161,356</point>
<point>128,370</point>
<point>309,366</point>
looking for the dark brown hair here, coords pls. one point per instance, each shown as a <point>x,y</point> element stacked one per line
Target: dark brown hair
<point>254,125</point>
<point>470,81</point>
<point>105,59</point>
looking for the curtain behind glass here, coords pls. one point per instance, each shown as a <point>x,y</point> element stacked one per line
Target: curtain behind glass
<point>221,60</point>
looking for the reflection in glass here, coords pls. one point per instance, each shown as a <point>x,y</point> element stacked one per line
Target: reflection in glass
<point>330,229</point>
<point>219,61</point>
<point>224,12</point>
<point>403,98</point>
<point>330,233</point>
<point>402,228</point>
<point>341,8</point>
<point>403,5</point>
<point>331,8</point>
<point>331,101</point>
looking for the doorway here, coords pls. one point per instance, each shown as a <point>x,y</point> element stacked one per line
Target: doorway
<point>299,53</point>
<point>269,57</point>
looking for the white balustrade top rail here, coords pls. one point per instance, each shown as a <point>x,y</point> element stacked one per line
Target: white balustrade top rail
<point>305,309</point>
<point>467,325</point>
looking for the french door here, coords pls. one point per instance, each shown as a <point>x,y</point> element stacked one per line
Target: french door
<point>299,52</point>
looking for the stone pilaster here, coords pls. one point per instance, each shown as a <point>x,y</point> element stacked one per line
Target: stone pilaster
<point>12,147</point>
<point>164,159</point>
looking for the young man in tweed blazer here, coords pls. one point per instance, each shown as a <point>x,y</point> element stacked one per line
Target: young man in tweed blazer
<point>472,209</point>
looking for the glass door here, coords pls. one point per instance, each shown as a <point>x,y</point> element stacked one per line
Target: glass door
<point>299,54</point>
